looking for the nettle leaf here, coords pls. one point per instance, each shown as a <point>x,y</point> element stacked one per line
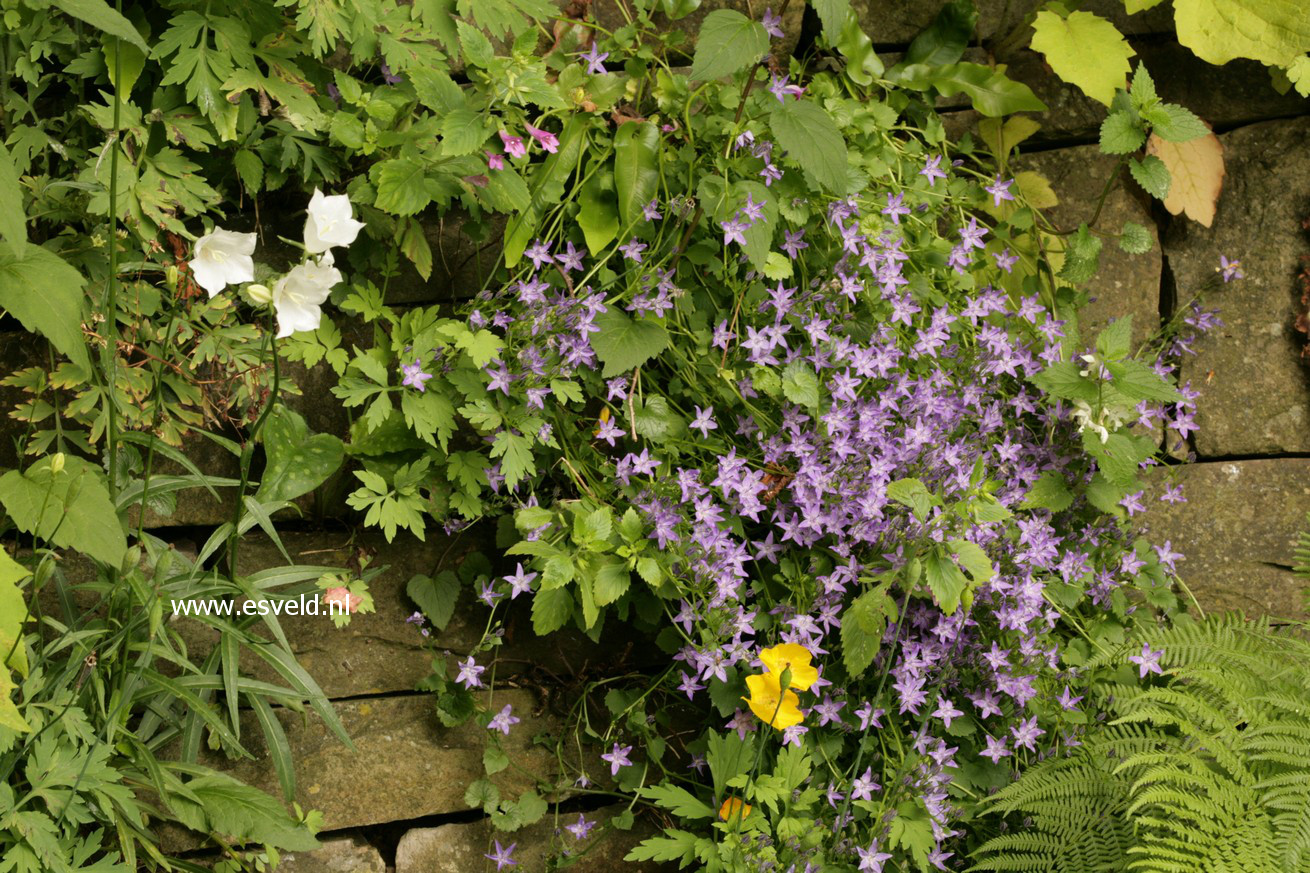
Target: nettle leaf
<point>1122,133</point>
<point>551,608</point>
<point>401,186</point>
<point>1135,239</point>
<point>945,580</point>
<point>813,141</point>
<point>1050,491</point>
<point>1082,257</point>
<point>624,343</point>
<point>862,626</point>
<point>1152,174</point>
<point>728,42</point>
<point>914,494</point>
<point>1174,123</point>
<point>1136,381</point>
<point>1115,339</point>
<point>973,559</point>
<point>636,168</point>
<point>1085,50</point>
<point>1063,379</point>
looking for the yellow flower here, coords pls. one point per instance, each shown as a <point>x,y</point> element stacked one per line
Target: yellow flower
<point>731,807</point>
<point>781,657</point>
<point>771,704</point>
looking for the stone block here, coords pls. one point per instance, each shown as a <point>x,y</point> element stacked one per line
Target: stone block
<point>1125,284</point>
<point>1237,531</point>
<point>458,848</point>
<point>1256,388</point>
<point>345,853</point>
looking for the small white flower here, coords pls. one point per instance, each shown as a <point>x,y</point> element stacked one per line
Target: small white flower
<point>298,295</point>
<point>222,258</point>
<point>329,223</point>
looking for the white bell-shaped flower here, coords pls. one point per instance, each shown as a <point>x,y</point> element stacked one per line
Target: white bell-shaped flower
<point>329,223</point>
<point>298,295</point>
<point>222,258</point>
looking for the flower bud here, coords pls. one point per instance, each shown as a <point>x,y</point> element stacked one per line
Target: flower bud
<point>259,293</point>
<point>57,462</point>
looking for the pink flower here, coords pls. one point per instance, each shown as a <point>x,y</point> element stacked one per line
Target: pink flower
<point>548,140</point>
<point>341,598</point>
<point>495,161</point>
<point>513,145</point>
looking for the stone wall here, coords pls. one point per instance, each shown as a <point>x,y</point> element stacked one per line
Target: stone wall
<point>395,802</point>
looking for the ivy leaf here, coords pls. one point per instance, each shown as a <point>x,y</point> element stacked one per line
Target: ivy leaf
<point>1135,239</point>
<point>1151,173</point>
<point>1196,171</point>
<point>636,168</point>
<point>44,292</point>
<point>1273,32</point>
<point>812,140</point>
<point>728,42</point>
<point>1085,50</point>
<point>624,343</point>
<point>1121,133</point>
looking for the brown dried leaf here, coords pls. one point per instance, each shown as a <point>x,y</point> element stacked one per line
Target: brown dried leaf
<point>1196,175</point>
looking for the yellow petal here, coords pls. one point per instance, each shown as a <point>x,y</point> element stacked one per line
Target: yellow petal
<point>797,657</point>
<point>731,807</point>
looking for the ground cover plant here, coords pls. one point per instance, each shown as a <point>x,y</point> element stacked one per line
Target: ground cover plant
<point>764,366</point>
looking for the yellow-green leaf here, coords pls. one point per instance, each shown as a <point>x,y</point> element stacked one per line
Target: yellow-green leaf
<point>1084,50</point>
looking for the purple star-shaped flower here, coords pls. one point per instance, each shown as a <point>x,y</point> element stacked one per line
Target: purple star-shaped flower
<point>1026,733</point>
<point>617,758</point>
<point>503,720</point>
<point>594,59</point>
<point>1230,269</point>
<point>520,582</point>
<point>469,673</point>
<point>996,749</point>
<point>632,249</point>
<point>999,190</point>
<point>503,856</point>
<point>932,170</point>
<point>488,594</point>
<point>734,231</point>
<point>581,827</point>
<point>1147,662</point>
<point>570,260</point>
<point>414,375</point>
<point>704,421</point>
<point>651,211</point>
<point>772,24</point>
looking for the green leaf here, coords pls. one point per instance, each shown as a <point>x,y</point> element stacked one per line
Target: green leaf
<point>1174,123</point>
<point>1151,173</point>
<point>812,140</point>
<point>598,211</point>
<point>947,583</point>
<point>245,814</point>
<point>1122,133</point>
<point>102,17</point>
<point>624,343</point>
<point>611,583</point>
<point>973,559</point>
<point>944,41</point>
<point>1082,257</point>
<point>912,493</point>
<point>436,597</point>
<point>678,800</point>
<point>1085,50</point>
<point>862,626</point>
<point>1049,492</point>
<point>515,452</point>
<point>44,293</point>
<point>494,760</point>
<point>297,462</point>
<point>1063,379</point>
<point>1136,381</point>
<point>992,93</point>
<point>1273,32</point>
<point>550,609</point>
<point>728,42</point>
<point>462,132</point>
<point>1135,239</point>
<point>800,385</point>
<point>13,217</point>
<point>1115,339</point>
<point>401,186</point>
<point>71,508</point>
<point>832,14</point>
<point>673,846</point>
<point>593,527</point>
<point>636,168</point>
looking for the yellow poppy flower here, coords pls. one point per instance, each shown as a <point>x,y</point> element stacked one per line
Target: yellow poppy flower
<point>781,657</point>
<point>771,704</point>
<point>731,807</point>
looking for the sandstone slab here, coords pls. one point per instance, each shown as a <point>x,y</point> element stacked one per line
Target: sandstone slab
<point>1256,389</point>
<point>460,848</point>
<point>1125,284</point>
<point>346,853</point>
<point>1237,532</point>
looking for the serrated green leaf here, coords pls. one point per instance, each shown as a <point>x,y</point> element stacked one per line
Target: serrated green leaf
<point>44,292</point>
<point>727,43</point>
<point>401,186</point>
<point>1174,123</point>
<point>624,343</point>
<point>1121,133</point>
<point>1050,491</point>
<point>551,608</point>
<point>947,584</point>
<point>812,140</point>
<point>1135,239</point>
<point>1151,173</point>
<point>678,800</point>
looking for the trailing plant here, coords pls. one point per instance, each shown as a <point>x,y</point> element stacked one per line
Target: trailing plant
<point>1202,769</point>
